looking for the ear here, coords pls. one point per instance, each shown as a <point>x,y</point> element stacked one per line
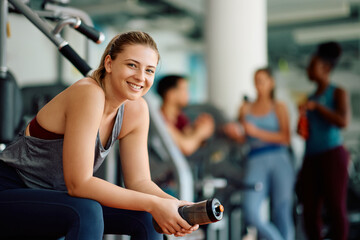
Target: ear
<point>108,64</point>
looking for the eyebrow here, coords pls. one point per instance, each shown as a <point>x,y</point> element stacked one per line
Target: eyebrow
<point>130,59</point>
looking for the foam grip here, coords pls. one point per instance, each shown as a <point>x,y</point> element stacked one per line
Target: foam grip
<point>75,59</point>
<point>91,33</point>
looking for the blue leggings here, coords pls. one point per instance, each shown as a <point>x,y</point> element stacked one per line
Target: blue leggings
<point>274,171</point>
<point>47,214</point>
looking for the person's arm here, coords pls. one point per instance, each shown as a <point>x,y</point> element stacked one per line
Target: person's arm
<point>341,116</point>
<point>282,136</point>
<point>135,165</point>
<point>187,143</point>
<point>191,139</point>
<point>133,150</point>
<point>234,130</point>
<point>83,116</point>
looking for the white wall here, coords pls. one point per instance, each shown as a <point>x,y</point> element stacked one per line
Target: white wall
<point>31,57</point>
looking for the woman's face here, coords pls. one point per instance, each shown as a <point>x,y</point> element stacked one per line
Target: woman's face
<point>317,69</point>
<point>264,84</point>
<point>132,72</point>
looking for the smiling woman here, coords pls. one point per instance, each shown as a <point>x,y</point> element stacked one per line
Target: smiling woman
<point>47,173</point>
<point>129,71</point>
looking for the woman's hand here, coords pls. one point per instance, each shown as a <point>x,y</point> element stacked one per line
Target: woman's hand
<point>250,129</point>
<point>193,228</point>
<point>234,131</point>
<point>311,105</point>
<point>165,213</point>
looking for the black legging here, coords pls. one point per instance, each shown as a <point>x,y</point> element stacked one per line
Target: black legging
<point>323,181</point>
<point>47,214</point>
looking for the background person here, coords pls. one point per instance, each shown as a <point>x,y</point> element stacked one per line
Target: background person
<point>265,123</point>
<point>188,136</point>
<point>324,174</point>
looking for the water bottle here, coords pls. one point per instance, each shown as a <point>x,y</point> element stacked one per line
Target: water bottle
<point>204,212</point>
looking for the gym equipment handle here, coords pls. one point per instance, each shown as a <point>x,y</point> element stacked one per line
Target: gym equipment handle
<point>90,32</point>
<point>75,59</point>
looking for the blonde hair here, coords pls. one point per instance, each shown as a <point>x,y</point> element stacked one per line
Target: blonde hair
<point>117,45</point>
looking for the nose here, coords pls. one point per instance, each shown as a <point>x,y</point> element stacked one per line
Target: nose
<point>140,75</point>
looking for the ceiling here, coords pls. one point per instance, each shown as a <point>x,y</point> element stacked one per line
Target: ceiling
<point>294,26</point>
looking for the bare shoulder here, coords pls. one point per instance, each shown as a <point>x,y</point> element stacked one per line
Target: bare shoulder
<point>281,109</point>
<point>85,91</point>
<point>136,111</point>
<point>84,97</point>
<point>339,91</point>
<point>136,107</point>
<point>245,108</point>
<point>280,106</point>
<point>86,87</point>
<point>136,116</point>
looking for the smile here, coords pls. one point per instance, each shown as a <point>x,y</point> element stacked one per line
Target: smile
<point>137,87</point>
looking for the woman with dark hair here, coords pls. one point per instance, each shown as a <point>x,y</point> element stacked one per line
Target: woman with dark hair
<point>47,186</point>
<point>323,177</point>
<point>266,127</point>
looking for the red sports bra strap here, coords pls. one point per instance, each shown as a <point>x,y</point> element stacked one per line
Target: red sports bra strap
<point>39,132</point>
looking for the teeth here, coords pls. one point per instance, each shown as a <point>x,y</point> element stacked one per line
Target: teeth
<point>135,86</point>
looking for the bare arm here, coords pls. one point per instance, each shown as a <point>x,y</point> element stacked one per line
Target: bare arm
<point>282,136</point>
<point>234,130</point>
<point>133,150</point>
<point>341,116</point>
<point>191,139</point>
<point>135,165</point>
<point>187,143</point>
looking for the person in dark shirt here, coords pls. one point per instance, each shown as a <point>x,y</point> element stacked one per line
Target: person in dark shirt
<point>188,136</point>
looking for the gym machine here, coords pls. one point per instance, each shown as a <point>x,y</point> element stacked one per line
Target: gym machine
<point>10,95</point>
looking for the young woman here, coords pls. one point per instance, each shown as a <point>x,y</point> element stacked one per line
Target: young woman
<point>323,177</point>
<point>266,127</point>
<point>47,187</point>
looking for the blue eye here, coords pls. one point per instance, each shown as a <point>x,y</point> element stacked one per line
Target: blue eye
<point>150,71</point>
<point>131,65</point>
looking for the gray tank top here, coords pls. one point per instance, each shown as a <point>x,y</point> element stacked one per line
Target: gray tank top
<point>39,161</point>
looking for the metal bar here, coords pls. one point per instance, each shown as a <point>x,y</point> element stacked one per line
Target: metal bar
<point>3,36</point>
<point>63,23</point>
<point>38,22</point>
<point>68,11</point>
<point>185,177</point>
